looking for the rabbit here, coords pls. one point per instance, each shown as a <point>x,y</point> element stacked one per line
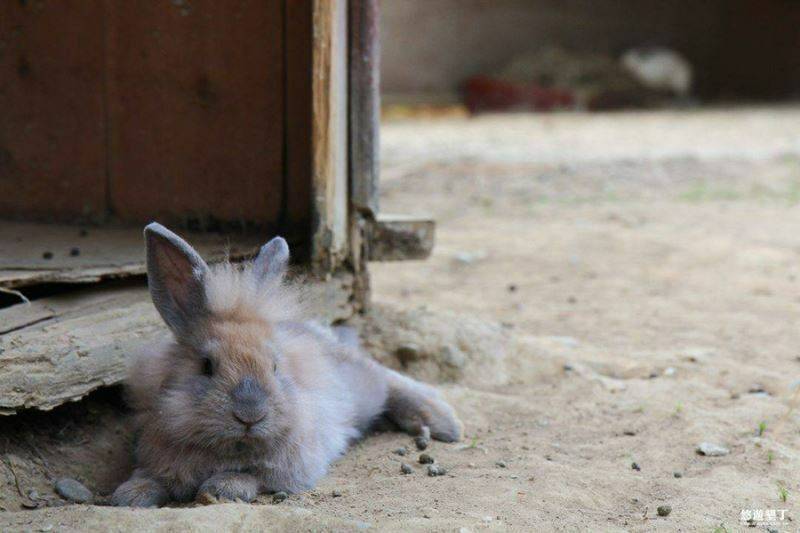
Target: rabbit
<point>250,396</point>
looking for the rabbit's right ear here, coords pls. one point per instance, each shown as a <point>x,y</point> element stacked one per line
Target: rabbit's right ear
<point>273,259</point>
<point>175,274</point>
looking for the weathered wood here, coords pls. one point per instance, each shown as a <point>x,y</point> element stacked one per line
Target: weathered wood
<point>297,206</point>
<point>75,350</point>
<point>102,252</point>
<point>61,348</point>
<point>195,104</point>
<point>12,319</point>
<point>400,238</point>
<point>329,134</point>
<point>364,105</point>
<point>52,131</point>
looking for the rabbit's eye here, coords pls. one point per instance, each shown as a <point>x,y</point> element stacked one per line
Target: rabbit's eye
<point>208,367</point>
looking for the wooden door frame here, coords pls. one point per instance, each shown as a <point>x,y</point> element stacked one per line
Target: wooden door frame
<point>329,141</point>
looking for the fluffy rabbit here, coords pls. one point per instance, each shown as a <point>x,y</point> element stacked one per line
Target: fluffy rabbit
<point>251,396</point>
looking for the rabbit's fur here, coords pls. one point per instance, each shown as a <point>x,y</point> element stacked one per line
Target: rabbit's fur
<point>251,396</point>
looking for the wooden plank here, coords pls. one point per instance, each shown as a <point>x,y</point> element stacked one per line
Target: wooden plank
<point>329,134</point>
<point>80,349</point>
<point>296,216</point>
<point>364,105</point>
<point>400,238</point>
<point>52,133</point>
<point>59,349</point>
<point>24,316</point>
<point>196,111</point>
<point>39,253</point>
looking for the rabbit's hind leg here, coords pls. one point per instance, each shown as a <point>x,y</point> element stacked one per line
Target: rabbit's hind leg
<point>412,405</point>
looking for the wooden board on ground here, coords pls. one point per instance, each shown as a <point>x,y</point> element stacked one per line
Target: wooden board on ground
<point>73,344</point>
<point>400,238</point>
<point>44,253</point>
<point>58,349</point>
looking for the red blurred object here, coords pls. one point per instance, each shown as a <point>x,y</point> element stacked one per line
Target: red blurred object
<point>484,93</point>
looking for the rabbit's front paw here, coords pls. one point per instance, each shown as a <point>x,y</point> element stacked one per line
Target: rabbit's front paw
<point>228,486</point>
<point>139,491</point>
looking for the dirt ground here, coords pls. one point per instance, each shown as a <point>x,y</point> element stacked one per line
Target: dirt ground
<point>606,290</point>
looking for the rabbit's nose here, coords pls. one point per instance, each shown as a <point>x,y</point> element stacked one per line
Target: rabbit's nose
<point>249,402</point>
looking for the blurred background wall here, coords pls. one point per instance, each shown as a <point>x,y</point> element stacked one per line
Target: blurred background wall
<point>739,49</point>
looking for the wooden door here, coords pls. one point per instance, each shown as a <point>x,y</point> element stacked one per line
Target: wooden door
<point>168,110</point>
<point>52,118</point>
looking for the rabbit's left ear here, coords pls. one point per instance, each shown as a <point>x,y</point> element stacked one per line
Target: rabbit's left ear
<point>272,259</point>
<point>175,275</point>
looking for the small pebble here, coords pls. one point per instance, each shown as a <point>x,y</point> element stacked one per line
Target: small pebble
<point>73,490</point>
<point>467,258</point>
<point>501,464</point>
<point>436,470</point>
<point>663,510</point>
<point>75,252</point>
<point>407,352</point>
<point>629,433</point>
<point>278,497</point>
<point>406,468</point>
<point>568,367</point>
<point>47,255</point>
<point>712,450</point>
<point>425,459</point>
<point>336,494</point>
<point>512,288</point>
<point>677,475</point>
<point>636,467</point>
<point>400,451</point>
<point>572,300</point>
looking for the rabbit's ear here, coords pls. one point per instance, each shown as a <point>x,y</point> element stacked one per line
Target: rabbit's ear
<point>175,275</point>
<point>272,259</point>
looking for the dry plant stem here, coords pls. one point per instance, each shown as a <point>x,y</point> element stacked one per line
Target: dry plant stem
<point>16,293</point>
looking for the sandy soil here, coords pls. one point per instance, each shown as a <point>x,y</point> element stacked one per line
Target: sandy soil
<point>616,296</point>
